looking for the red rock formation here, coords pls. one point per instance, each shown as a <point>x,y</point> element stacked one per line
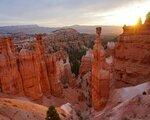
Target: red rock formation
<point>54,75</point>
<point>32,73</point>
<point>68,74</point>
<point>85,76</point>
<point>100,76</point>
<point>9,76</point>
<point>86,63</point>
<point>45,86</point>
<point>29,69</point>
<point>132,55</point>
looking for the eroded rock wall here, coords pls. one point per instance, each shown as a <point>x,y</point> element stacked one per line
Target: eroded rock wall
<point>32,73</point>
<point>132,56</point>
<point>10,78</point>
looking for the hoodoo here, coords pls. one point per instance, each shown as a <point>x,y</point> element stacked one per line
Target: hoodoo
<point>100,76</point>
<point>32,73</point>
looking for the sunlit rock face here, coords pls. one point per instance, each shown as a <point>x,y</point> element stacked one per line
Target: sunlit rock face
<point>41,64</point>
<point>10,79</point>
<point>29,71</point>
<point>54,76</point>
<point>132,55</point>
<point>100,75</point>
<point>95,74</point>
<point>32,73</point>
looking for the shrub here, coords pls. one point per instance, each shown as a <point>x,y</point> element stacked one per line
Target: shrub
<point>52,114</point>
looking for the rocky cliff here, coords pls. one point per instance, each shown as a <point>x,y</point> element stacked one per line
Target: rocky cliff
<point>32,73</point>
<point>132,55</point>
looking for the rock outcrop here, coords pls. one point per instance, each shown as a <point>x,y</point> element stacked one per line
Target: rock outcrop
<point>100,75</point>
<point>127,103</point>
<point>85,76</point>
<point>86,63</point>
<point>95,74</point>
<point>10,78</point>
<point>32,73</point>
<point>132,55</point>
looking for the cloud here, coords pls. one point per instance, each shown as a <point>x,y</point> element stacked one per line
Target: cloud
<point>56,12</point>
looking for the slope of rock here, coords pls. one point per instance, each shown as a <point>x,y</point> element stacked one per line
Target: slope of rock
<point>14,109</point>
<point>130,103</point>
<point>134,109</point>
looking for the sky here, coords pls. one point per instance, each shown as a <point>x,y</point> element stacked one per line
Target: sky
<point>52,13</point>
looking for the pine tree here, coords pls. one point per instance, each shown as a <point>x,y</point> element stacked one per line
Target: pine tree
<point>52,114</point>
<point>148,16</point>
<point>139,21</point>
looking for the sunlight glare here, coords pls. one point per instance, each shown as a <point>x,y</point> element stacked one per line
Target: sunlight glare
<point>130,15</point>
<point>126,15</point>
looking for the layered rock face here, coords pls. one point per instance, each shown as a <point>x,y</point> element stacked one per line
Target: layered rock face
<point>29,71</point>
<point>132,55</point>
<point>10,78</point>
<point>32,73</point>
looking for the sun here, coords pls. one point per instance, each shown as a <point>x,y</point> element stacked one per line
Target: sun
<point>129,15</point>
<point>126,15</point>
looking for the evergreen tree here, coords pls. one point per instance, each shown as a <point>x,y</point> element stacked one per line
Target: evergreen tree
<point>52,114</point>
<point>139,21</point>
<point>148,16</point>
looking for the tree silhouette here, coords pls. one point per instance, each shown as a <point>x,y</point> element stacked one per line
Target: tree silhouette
<point>52,114</point>
<point>148,16</point>
<point>139,21</point>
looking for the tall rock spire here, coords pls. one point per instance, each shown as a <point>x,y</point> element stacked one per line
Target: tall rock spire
<point>97,42</point>
<point>100,77</point>
<point>9,75</point>
<point>41,60</point>
<point>98,33</point>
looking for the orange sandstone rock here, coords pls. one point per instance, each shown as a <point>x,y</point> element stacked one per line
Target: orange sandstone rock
<point>132,55</point>
<point>32,73</point>
<point>100,76</point>
<point>10,78</point>
<point>44,80</point>
<point>86,63</point>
